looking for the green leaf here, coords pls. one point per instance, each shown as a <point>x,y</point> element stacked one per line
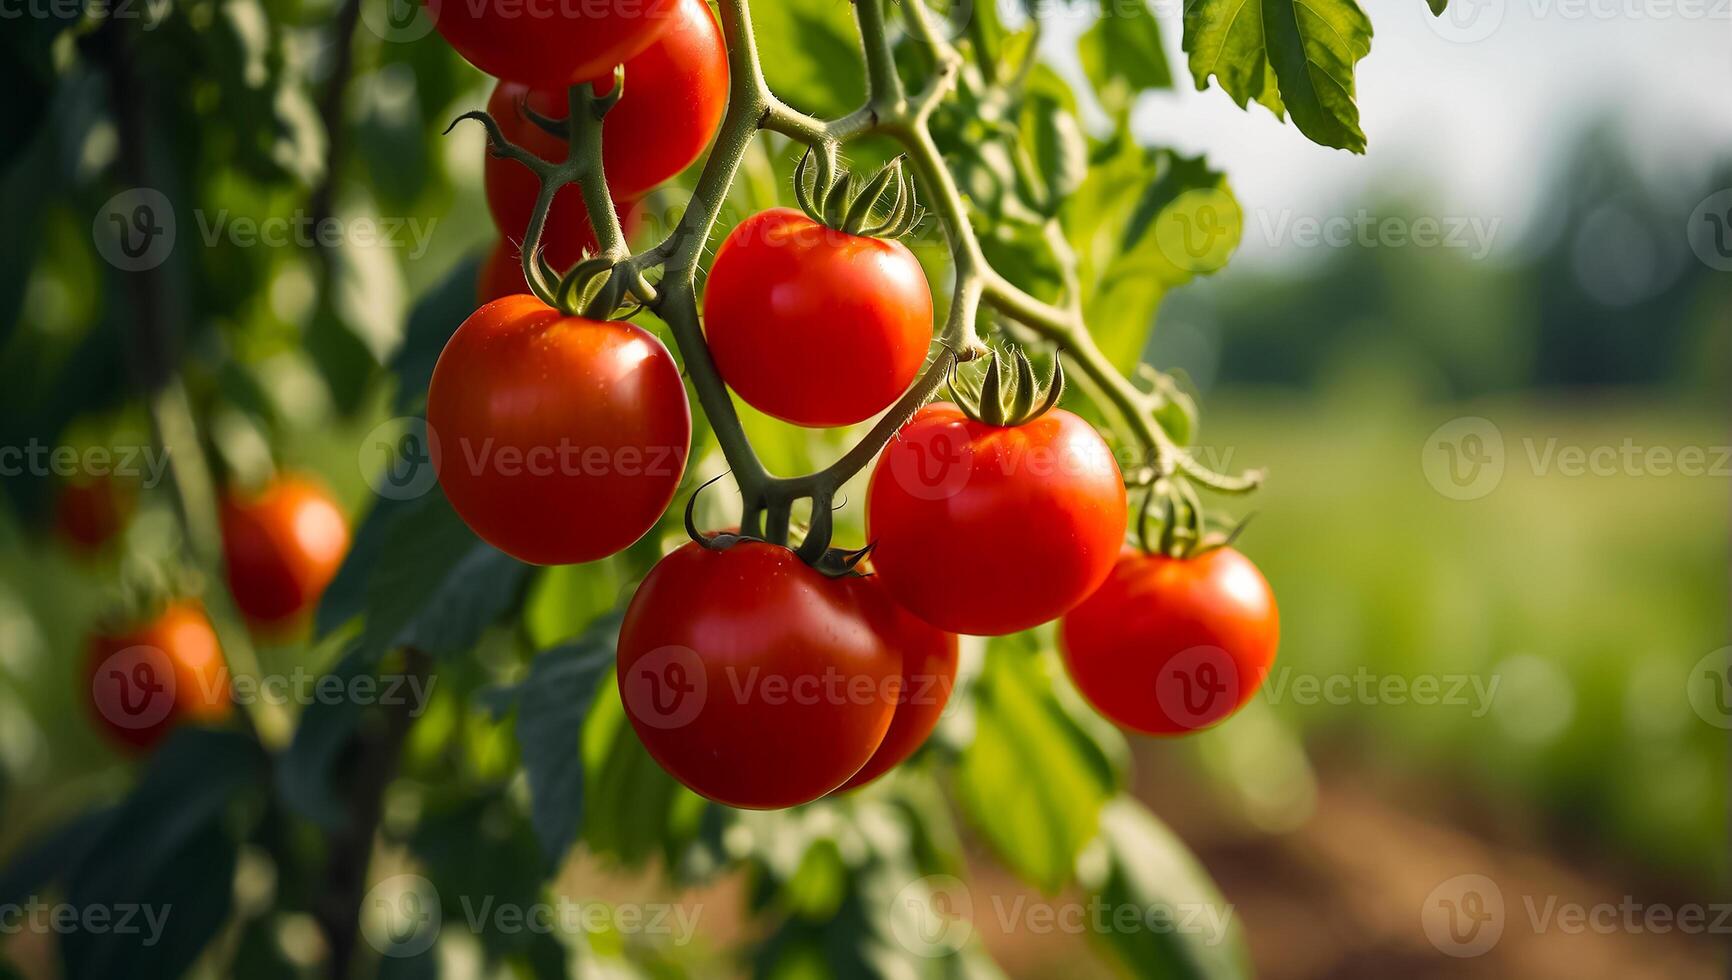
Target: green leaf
<point>1283,53</point>
<point>1036,825</point>
<point>1060,150</point>
<point>1186,929</point>
<point>1122,54</point>
<point>432,321</point>
<point>1437,7</point>
<point>810,54</point>
<point>166,848</point>
<point>633,810</point>
<point>41,862</point>
<point>304,773</point>
<point>553,704</point>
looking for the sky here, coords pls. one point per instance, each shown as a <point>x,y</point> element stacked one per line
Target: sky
<point>1472,110</point>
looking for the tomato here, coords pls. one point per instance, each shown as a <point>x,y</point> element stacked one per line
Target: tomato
<point>557,439</point>
<point>814,326</point>
<point>989,530</point>
<point>675,94</point>
<point>550,42</point>
<point>753,679</point>
<point>146,680</point>
<point>928,676</point>
<point>90,512</point>
<point>1173,645</point>
<point>281,547</point>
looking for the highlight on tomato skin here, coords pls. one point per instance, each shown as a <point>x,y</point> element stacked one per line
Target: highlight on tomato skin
<point>145,680</point>
<point>752,678</point>
<point>1170,646</point>
<point>556,439</point>
<point>988,530</point>
<point>849,316</point>
<point>282,545</point>
<point>550,44</point>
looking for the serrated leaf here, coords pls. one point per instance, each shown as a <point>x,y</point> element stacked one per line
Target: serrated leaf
<point>554,702</point>
<point>1036,826</point>
<point>1189,929</point>
<point>1284,53</point>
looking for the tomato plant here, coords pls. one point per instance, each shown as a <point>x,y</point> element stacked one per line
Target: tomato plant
<point>849,316</point>
<point>150,677</point>
<point>754,679</point>
<point>557,439</point>
<point>1170,645</point>
<point>281,547</point>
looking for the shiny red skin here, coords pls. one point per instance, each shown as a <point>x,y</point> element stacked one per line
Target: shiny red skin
<point>928,676</point>
<point>91,512</point>
<point>813,326</point>
<point>675,94</point>
<point>986,530</point>
<point>281,547</point>
<point>557,439</point>
<point>550,43</point>
<point>181,661</point>
<point>1168,646</point>
<point>790,679</point>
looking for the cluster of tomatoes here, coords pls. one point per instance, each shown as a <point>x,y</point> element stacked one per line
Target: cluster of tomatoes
<point>282,545</point>
<point>753,678</point>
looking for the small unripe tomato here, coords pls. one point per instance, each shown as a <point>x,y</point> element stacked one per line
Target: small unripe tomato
<point>146,680</point>
<point>1168,646</point>
<point>281,546</point>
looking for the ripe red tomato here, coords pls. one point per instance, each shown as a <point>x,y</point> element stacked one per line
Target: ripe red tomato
<point>146,680</point>
<point>1172,645</point>
<point>928,676</point>
<point>281,547</point>
<point>90,512</point>
<point>675,94</point>
<point>987,530</point>
<point>848,318</point>
<point>548,42</point>
<point>557,439</point>
<point>753,679</point>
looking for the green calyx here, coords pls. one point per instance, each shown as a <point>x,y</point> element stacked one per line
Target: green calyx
<point>1008,400</point>
<point>831,562</point>
<point>836,202</point>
